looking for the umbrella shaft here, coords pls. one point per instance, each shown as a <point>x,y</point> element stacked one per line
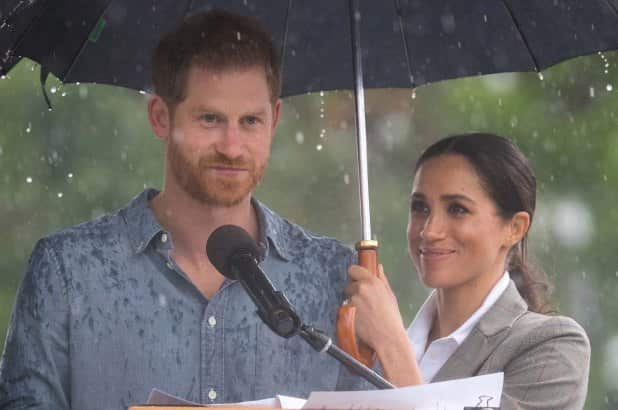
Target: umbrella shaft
<point>361,129</point>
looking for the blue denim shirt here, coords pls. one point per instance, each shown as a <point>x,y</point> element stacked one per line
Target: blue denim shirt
<point>104,314</point>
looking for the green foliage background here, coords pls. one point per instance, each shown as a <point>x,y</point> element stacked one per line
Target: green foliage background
<point>95,151</point>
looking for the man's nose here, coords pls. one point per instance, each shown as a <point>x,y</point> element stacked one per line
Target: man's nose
<point>230,143</point>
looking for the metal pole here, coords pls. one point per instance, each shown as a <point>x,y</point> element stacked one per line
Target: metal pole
<point>361,129</point>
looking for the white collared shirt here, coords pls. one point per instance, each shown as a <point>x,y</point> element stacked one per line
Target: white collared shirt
<point>430,360</point>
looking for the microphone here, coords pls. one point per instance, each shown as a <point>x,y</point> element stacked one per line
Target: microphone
<point>234,254</point>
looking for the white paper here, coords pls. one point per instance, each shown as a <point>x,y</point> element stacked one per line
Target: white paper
<point>286,402</point>
<point>450,395</point>
<point>479,391</point>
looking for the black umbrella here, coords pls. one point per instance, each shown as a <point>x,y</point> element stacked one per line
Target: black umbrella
<point>325,45</point>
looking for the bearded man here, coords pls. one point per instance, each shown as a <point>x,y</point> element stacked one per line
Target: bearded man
<point>111,308</point>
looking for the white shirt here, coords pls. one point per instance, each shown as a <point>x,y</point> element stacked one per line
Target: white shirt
<point>430,360</point>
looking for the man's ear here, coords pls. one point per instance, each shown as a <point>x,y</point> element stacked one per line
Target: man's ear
<point>159,117</point>
<point>518,227</point>
<point>276,112</point>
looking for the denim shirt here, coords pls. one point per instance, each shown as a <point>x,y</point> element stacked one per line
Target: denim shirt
<point>103,315</point>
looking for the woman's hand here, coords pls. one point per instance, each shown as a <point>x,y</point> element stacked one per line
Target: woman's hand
<point>380,326</point>
<point>377,313</point>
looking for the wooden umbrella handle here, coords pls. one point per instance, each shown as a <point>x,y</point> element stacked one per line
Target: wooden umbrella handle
<point>346,315</point>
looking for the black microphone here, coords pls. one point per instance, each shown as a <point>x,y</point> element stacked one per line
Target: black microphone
<point>234,253</point>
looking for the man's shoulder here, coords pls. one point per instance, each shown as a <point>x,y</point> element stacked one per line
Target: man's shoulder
<point>296,238</point>
<point>98,232</point>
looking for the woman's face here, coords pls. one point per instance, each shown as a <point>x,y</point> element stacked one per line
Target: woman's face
<point>455,235</point>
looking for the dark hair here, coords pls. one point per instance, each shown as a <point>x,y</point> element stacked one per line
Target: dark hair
<point>509,180</point>
<point>217,40</point>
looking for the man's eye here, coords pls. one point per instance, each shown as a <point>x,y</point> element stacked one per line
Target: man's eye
<point>209,118</point>
<point>456,209</point>
<point>252,120</point>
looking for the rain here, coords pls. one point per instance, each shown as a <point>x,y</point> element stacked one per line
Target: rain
<point>94,151</point>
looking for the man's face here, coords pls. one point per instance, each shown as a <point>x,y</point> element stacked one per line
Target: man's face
<point>220,138</point>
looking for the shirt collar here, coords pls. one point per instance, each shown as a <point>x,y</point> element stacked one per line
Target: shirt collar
<point>418,331</point>
<point>141,221</point>
<point>143,225</point>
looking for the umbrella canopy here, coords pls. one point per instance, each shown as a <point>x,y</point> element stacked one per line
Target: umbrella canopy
<point>405,43</point>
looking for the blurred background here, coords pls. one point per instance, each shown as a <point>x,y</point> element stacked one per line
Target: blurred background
<point>94,152</point>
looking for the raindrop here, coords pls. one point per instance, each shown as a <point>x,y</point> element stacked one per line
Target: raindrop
<point>346,180</point>
<point>29,180</point>
<point>322,115</point>
<point>142,92</point>
<point>1,151</point>
<point>413,94</point>
<point>29,128</point>
<point>60,194</point>
<point>609,87</point>
<point>64,94</point>
<point>604,177</point>
<point>300,137</point>
<point>238,35</point>
<point>53,90</point>
<point>3,77</point>
<point>541,76</point>
<point>322,95</point>
<point>70,175</point>
<point>485,18</point>
<point>319,147</point>
<point>591,92</point>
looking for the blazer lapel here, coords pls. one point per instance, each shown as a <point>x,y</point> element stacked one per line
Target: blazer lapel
<point>488,333</point>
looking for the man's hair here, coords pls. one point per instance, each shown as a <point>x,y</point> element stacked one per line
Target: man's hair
<point>216,40</point>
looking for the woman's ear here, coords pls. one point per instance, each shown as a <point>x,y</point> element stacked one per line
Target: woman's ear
<point>518,227</point>
<point>159,117</point>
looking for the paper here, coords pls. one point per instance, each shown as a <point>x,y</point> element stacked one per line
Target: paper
<point>480,391</point>
<point>278,402</point>
<point>450,395</point>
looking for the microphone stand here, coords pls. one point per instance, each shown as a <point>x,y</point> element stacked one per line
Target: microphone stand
<point>322,343</point>
<point>279,315</point>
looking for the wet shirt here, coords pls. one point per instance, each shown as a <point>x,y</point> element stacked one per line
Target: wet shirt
<point>103,315</point>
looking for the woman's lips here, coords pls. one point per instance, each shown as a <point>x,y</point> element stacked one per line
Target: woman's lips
<point>435,254</point>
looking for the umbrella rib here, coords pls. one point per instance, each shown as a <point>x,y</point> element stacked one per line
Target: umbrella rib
<point>284,43</point>
<point>522,35</point>
<point>9,54</point>
<point>612,7</point>
<point>404,38</point>
<point>84,43</point>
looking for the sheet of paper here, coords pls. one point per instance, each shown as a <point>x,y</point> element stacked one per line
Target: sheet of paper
<point>292,403</point>
<point>479,391</point>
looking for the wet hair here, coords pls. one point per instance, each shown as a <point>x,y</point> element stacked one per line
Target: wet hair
<point>216,40</point>
<point>507,177</point>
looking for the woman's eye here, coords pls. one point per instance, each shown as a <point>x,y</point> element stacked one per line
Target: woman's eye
<point>419,207</point>
<point>456,209</point>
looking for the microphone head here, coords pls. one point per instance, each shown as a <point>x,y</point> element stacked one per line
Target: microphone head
<point>226,241</point>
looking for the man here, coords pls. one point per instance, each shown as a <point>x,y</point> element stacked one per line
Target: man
<point>111,308</point>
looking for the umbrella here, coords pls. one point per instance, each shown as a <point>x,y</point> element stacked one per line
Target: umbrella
<point>325,45</point>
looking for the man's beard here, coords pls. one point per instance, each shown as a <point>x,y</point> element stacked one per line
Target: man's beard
<point>212,190</point>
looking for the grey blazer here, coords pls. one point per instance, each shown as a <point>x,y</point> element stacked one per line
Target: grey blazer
<point>545,359</point>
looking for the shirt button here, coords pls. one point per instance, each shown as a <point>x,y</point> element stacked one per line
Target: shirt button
<point>212,394</point>
<point>164,238</point>
<point>212,322</point>
<point>170,266</point>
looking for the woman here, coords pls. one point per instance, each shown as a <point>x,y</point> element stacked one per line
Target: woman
<point>472,202</point>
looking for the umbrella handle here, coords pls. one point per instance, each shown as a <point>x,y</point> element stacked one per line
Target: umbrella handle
<point>346,315</point>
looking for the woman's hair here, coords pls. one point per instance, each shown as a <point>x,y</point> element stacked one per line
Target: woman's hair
<point>507,177</point>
